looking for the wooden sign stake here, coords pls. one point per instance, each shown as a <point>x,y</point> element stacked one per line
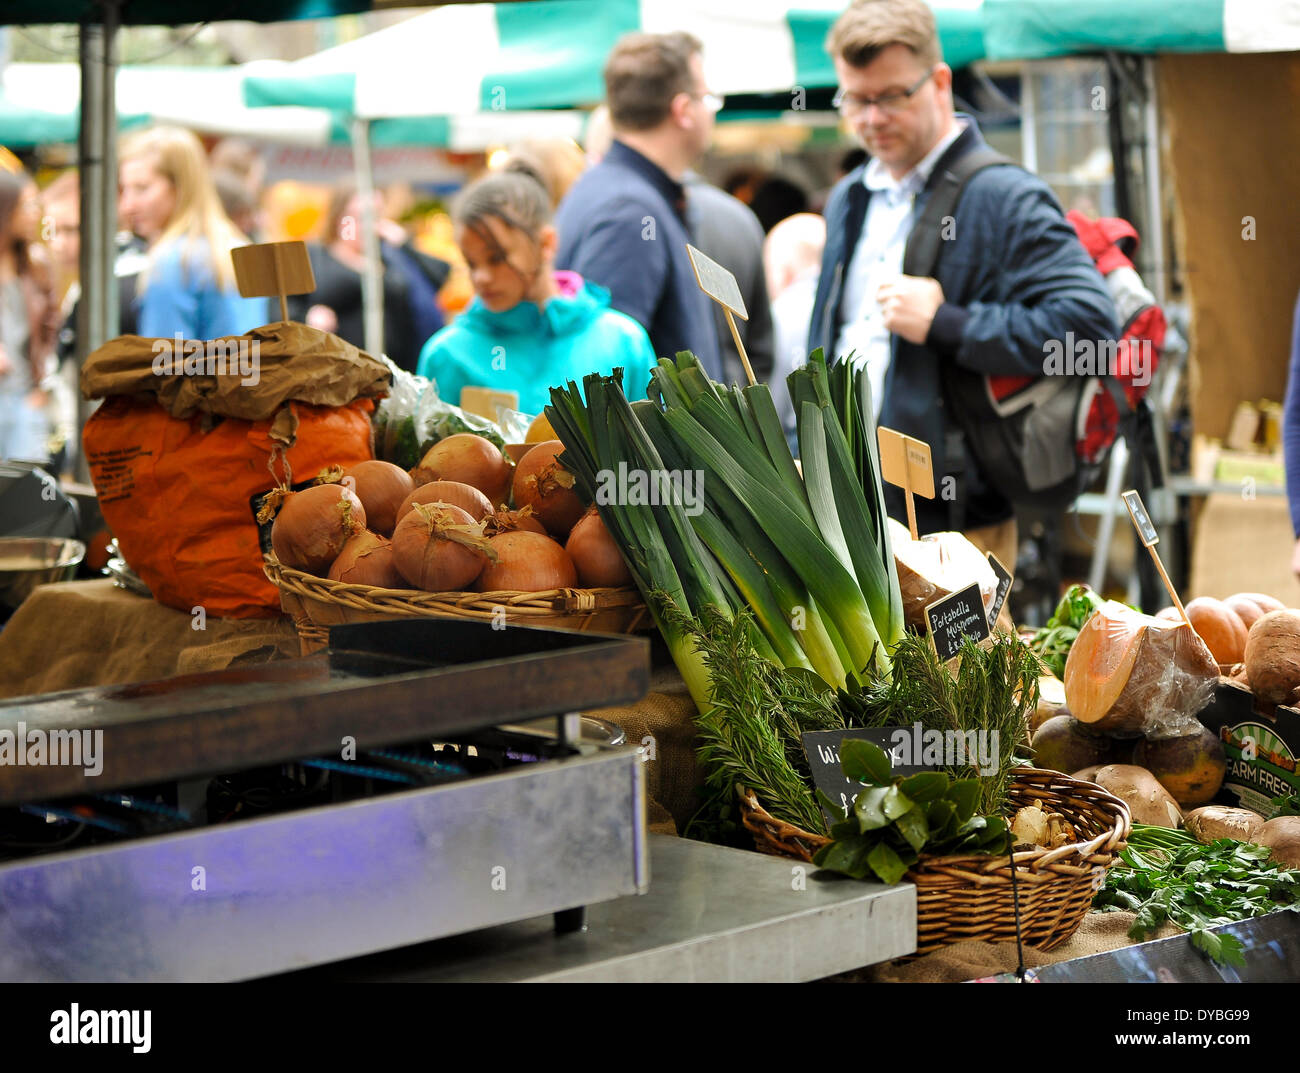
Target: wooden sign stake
<point>1150,538</point>
<point>906,462</point>
<point>273,270</point>
<point>721,286</point>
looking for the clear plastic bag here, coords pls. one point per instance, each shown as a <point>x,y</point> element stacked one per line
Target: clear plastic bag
<point>413,418</point>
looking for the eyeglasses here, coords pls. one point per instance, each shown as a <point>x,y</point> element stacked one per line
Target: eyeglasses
<point>712,102</point>
<point>893,103</point>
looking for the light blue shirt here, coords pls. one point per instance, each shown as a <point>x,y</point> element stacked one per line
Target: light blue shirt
<point>183,296</point>
<point>878,259</point>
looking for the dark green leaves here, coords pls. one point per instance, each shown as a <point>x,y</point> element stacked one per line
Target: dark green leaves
<point>894,820</point>
<point>864,761</point>
<point>1198,888</point>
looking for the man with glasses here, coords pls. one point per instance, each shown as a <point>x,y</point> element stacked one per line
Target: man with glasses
<point>1010,276</point>
<point>623,224</point>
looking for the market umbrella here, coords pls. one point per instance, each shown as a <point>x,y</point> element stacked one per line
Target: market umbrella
<point>1037,29</point>
<point>550,54</point>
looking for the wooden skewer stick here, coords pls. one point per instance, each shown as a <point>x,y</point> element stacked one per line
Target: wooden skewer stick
<point>740,347</point>
<point>1137,511</point>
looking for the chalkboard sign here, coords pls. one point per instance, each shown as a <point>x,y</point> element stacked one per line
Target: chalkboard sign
<point>956,617</point>
<point>1000,594</point>
<point>717,282</point>
<point>1145,526</point>
<point>822,747</point>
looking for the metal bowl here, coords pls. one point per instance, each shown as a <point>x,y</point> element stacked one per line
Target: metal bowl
<point>26,562</point>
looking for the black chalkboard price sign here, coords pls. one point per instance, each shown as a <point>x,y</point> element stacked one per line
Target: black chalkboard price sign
<point>1000,594</point>
<point>954,618</point>
<point>822,748</point>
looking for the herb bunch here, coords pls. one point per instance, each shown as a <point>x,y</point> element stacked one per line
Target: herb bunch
<point>1052,643</point>
<point>1197,888</point>
<point>994,689</point>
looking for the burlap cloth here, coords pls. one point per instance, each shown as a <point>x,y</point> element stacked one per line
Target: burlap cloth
<point>90,633</point>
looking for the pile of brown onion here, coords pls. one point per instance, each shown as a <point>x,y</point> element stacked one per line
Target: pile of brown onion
<point>466,518</point>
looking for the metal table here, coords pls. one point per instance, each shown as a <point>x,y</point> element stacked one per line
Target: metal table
<point>711,915</point>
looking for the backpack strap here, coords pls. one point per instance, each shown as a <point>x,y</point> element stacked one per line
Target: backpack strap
<point>923,245</point>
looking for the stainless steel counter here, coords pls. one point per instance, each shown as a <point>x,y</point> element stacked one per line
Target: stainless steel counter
<point>711,915</point>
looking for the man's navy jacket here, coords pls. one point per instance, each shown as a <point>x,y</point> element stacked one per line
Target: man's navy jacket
<point>1014,276</point>
<point>622,225</point>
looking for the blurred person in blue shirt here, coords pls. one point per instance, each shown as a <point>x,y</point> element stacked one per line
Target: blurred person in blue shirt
<point>167,198</point>
<point>529,328</point>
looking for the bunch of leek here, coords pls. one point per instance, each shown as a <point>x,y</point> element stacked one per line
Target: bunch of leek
<point>808,554</point>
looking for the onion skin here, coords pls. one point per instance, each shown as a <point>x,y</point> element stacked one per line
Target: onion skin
<point>453,493</point>
<point>507,521</point>
<point>595,554</point>
<point>542,483</point>
<point>381,487</point>
<point>469,459</point>
<point>313,526</point>
<point>439,548</point>
<point>527,562</point>
<point>367,559</point>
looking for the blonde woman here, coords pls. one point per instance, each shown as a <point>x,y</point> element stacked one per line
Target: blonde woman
<point>167,198</point>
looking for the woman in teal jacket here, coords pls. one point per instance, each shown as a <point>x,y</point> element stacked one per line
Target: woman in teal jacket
<point>529,328</point>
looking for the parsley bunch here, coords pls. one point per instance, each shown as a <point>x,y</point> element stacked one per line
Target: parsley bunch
<point>1198,888</point>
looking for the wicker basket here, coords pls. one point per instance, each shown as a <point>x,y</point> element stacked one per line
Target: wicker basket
<point>970,898</point>
<point>316,603</point>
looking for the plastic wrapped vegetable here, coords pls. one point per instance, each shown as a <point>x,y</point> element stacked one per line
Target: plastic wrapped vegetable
<point>413,418</point>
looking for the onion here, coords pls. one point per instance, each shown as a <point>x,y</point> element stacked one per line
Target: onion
<point>507,521</point>
<point>314,524</point>
<point>367,559</point>
<point>595,555</point>
<point>469,459</point>
<point>454,494</point>
<point>381,487</point>
<point>439,548</point>
<point>546,486</point>
<point>527,562</point>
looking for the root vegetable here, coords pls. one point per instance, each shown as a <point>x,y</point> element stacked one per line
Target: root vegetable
<point>313,526</point>
<point>439,548</point>
<point>1051,701</point>
<point>1147,800</point>
<point>367,559</point>
<point>381,487</point>
<point>1218,821</point>
<point>1190,766</point>
<point>1273,657</point>
<point>595,554</point>
<point>469,459</point>
<point>542,483</point>
<point>1130,673</point>
<point>527,562</point>
<point>1220,627</point>
<point>454,494</point>
<point>1064,744</point>
<point>1282,836</point>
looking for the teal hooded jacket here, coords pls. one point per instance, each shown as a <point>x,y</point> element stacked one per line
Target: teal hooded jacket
<point>529,350</point>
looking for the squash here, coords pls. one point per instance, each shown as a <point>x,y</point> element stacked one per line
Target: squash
<point>1273,657</point>
<point>936,566</point>
<point>1129,673</point>
<point>1220,627</point>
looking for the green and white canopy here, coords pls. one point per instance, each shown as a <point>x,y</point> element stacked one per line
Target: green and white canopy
<point>1037,29</point>
<point>550,54</point>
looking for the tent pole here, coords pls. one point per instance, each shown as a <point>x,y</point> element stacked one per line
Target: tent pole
<point>372,290</point>
<point>97,319</point>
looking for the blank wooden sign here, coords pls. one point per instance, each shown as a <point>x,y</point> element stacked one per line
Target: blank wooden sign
<point>717,282</point>
<point>906,462</point>
<point>273,270</point>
